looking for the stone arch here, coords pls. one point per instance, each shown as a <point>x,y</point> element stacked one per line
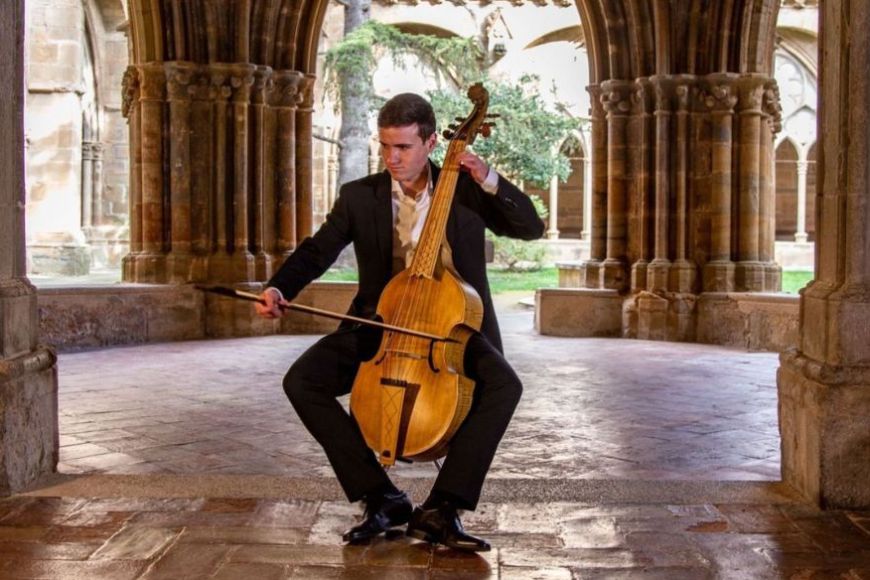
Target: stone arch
<point>787,155</point>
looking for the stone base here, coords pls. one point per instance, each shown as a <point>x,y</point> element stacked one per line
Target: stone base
<point>578,312</point>
<point>77,317</point>
<point>29,441</point>
<point>59,259</point>
<point>825,431</point>
<point>652,316</point>
<point>748,320</point>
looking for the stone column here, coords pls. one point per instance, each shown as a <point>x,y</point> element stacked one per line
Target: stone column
<point>553,231</point>
<point>29,441</point>
<point>824,385</point>
<point>587,194</point>
<point>771,125</point>
<point>616,98</point>
<point>641,147</point>
<point>802,167</point>
<point>749,272</point>
<point>130,109</point>
<point>285,98</point>
<point>178,84</point>
<point>660,266</point>
<point>150,263</point>
<point>305,159</point>
<point>683,270</point>
<point>720,98</point>
<point>598,195</point>
<point>263,235</point>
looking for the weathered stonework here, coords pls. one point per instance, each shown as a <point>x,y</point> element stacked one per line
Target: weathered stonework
<point>747,320</point>
<point>28,376</point>
<point>578,312</point>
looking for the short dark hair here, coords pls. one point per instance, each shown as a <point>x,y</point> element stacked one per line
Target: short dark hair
<point>406,109</point>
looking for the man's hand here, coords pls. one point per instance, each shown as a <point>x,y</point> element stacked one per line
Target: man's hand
<point>475,166</point>
<point>272,308</point>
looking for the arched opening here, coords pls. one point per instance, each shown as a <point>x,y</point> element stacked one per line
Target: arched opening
<point>786,191</point>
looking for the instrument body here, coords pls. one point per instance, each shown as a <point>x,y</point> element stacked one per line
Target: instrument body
<point>412,396</point>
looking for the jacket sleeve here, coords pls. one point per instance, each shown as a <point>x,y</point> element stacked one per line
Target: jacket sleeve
<point>316,253</point>
<point>510,212</point>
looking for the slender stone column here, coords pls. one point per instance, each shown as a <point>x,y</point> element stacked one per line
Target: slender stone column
<point>286,97</point>
<point>553,231</point>
<point>241,79</point>
<point>802,168</point>
<point>131,110</point>
<point>305,159</point>
<point>660,266</point>
<point>587,195</point>
<point>824,385</point>
<point>767,237</point>
<point>28,375</point>
<point>749,272</point>
<point>151,262</point>
<point>616,98</point>
<point>720,99</point>
<point>641,148</point>
<point>262,238</point>
<point>178,89</point>
<point>683,270</point>
<point>598,195</point>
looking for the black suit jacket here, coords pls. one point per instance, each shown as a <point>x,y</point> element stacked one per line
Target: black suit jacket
<point>363,215</point>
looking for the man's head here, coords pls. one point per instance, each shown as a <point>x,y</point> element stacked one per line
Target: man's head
<point>406,131</point>
<point>408,109</point>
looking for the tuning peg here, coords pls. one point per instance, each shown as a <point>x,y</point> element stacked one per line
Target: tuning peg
<point>492,115</point>
<point>460,119</point>
<point>448,134</point>
<point>486,130</point>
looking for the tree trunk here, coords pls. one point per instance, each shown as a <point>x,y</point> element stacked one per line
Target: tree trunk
<point>356,89</point>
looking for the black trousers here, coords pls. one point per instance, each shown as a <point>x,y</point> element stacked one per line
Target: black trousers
<point>327,370</point>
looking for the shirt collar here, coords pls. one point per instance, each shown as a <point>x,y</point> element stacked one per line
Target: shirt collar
<point>398,194</point>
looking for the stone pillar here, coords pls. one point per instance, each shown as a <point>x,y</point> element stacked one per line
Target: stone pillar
<point>286,97</point>
<point>553,231</point>
<point>802,167</point>
<point>214,177</point>
<point>179,91</point>
<point>641,149</point>
<point>824,385</point>
<point>683,270</point>
<point>598,196</point>
<point>749,272</point>
<point>587,194</point>
<point>616,98</point>
<point>28,375</point>
<point>767,238</point>
<point>305,159</point>
<point>130,109</point>
<point>720,98</point>
<point>660,266</point>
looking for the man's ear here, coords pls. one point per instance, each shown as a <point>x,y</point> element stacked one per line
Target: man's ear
<point>431,141</point>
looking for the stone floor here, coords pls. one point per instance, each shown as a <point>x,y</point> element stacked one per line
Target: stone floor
<point>626,459</point>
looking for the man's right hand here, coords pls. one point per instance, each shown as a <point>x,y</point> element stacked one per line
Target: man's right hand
<point>272,307</point>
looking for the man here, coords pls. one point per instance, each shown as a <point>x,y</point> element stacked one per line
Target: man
<point>383,215</point>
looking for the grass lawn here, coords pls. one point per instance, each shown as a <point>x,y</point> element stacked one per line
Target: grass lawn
<point>502,281</point>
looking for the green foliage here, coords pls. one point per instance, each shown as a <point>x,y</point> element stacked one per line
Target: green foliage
<point>794,280</point>
<point>458,58</point>
<point>524,144</point>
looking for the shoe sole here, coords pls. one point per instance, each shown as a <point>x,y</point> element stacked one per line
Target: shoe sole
<point>427,537</point>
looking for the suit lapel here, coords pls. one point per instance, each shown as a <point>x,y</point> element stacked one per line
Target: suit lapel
<point>383,220</point>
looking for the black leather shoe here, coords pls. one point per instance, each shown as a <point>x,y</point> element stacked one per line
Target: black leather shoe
<point>383,513</point>
<point>441,525</point>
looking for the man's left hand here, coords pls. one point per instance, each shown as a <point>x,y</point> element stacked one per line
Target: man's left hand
<point>475,166</point>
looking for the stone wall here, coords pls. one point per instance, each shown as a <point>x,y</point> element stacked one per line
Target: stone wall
<point>75,318</point>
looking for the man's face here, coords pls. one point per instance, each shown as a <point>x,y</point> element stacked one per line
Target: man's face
<point>404,153</point>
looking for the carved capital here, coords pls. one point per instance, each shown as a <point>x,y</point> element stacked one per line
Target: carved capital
<point>129,90</point>
<point>152,79</point>
<point>179,79</point>
<point>750,92</point>
<point>92,151</point>
<point>719,95</point>
<point>682,96</point>
<point>263,84</point>
<point>596,109</point>
<point>286,88</point>
<point>771,104</point>
<point>616,97</point>
<point>306,92</point>
<point>642,98</point>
